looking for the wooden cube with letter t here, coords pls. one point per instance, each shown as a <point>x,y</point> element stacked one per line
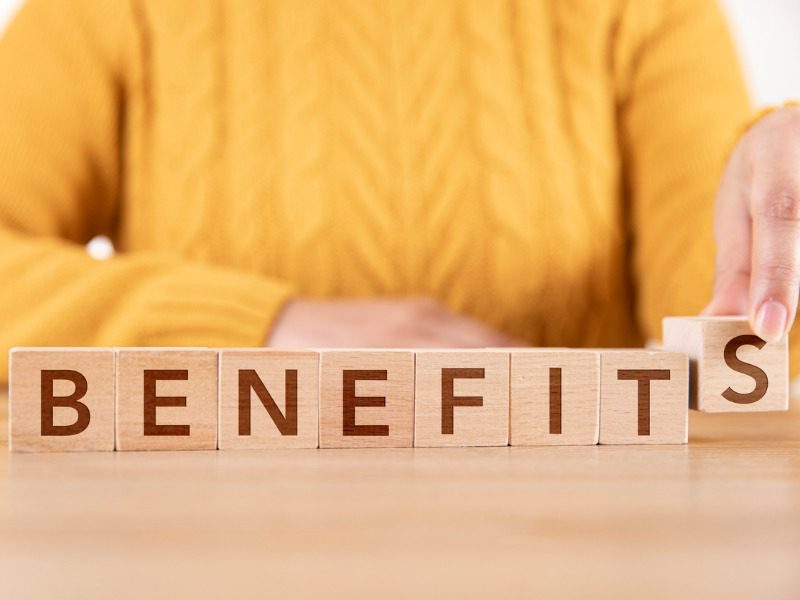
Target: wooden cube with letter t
<point>366,399</point>
<point>268,399</point>
<point>461,398</point>
<point>61,399</point>
<point>733,370</point>
<point>166,399</point>
<point>644,397</point>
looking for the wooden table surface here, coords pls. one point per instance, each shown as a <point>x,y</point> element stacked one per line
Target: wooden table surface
<point>719,518</point>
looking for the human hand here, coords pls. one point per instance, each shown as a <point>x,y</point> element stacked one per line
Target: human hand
<point>409,323</point>
<point>757,227</point>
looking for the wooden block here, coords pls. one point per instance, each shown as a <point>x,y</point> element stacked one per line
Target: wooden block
<point>61,399</point>
<point>461,398</point>
<point>644,397</point>
<point>166,399</point>
<point>268,399</point>
<point>366,399</point>
<point>555,397</point>
<point>732,370</point>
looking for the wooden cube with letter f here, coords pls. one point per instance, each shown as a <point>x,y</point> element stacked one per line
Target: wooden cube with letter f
<point>462,398</point>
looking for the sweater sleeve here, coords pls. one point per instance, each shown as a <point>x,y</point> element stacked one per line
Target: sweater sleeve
<point>61,93</point>
<point>682,104</point>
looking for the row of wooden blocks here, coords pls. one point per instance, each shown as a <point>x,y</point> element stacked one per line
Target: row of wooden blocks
<point>200,399</point>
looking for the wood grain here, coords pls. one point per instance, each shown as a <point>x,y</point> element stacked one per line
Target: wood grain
<point>555,397</point>
<point>477,385</point>
<point>718,519</point>
<point>760,379</point>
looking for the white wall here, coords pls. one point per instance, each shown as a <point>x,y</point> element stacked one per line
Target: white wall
<point>768,34</point>
<point>7,10</point>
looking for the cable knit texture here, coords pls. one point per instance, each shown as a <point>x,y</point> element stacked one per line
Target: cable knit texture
<point>548,167</point>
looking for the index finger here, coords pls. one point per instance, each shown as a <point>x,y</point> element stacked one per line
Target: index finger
<point>775,268</point>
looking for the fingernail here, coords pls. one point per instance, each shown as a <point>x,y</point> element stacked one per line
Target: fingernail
<point>771,321</point>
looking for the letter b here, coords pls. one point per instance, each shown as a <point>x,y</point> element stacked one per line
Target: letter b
<point>50,401</point>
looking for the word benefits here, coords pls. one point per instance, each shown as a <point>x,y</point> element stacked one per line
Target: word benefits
<point>99,399</point>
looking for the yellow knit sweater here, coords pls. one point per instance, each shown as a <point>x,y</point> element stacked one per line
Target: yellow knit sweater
<point>546,166</point>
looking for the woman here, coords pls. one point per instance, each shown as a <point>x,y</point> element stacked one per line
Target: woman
<point>399,173</point>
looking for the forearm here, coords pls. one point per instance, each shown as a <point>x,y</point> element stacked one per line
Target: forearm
<point>53,293</point>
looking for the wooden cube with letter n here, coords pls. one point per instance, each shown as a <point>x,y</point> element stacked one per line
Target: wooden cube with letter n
<point>644,397</point>
<point>268,399</point>
<point>733,370</point>
<point>61,399</point>
<point>461,398</point>
<point>166,399</point>
<point>366,398</point>
<point>555,397</point>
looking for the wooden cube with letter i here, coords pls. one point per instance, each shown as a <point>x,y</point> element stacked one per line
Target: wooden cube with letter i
<point>555,397</point>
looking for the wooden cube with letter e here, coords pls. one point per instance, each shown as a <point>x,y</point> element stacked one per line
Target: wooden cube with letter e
<point>366,398</point>
<point>166,399</point>
<point>733,370</point>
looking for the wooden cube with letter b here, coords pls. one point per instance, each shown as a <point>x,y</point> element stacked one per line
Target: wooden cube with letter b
<point>166,399</point>
<point>461,398</point>
<point>61,399</point>
<point>733,370</point>
<point>644,397</point>
<point>366,399</point>
<point>268,399</point>
<point>555,397</point>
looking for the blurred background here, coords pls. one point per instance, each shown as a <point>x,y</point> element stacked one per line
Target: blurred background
<point>766,32</point>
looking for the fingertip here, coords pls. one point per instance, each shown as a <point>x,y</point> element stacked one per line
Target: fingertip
<point>770,321</point>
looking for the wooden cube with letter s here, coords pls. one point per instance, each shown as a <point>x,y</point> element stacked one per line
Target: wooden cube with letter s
<point>733,370</point>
